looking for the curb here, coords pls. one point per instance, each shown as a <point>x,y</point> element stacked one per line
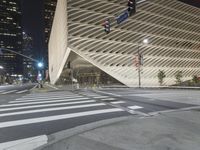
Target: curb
<point>51,86</point>
<point>65,134</point>
<point>25,144</point>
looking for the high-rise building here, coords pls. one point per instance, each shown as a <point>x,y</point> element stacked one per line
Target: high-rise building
<point>29,70</point>
<point>49,9</point>
<point>10,36</point>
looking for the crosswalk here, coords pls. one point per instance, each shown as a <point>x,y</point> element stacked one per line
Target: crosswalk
<point>4,92</point>
<point>45,113</point>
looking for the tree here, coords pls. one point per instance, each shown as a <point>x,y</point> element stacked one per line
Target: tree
<point>195,79</point>
<point>178,76</point>
<point>161,76</point>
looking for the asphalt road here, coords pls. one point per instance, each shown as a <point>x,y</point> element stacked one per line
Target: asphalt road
<point>10,92</point>
<point>46,113</point>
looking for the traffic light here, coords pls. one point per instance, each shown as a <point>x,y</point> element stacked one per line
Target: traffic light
<point>131,7</point>
<point>106,25</point>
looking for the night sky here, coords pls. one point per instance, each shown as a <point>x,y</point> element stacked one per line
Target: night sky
<point>192,2</point>
<point>33,24</point>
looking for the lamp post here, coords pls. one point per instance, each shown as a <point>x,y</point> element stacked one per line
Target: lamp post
<point>1,74</point>
<point>140,61</point>
<point>40,64</point>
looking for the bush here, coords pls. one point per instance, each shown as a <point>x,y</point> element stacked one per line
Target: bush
<point>178,76</point>
<point>195,79</point>
<point>161,76</point>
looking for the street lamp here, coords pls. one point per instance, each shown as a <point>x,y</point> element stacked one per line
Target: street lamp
<point>40,65</point>
<point>146,41</point>
<point>140,63</point>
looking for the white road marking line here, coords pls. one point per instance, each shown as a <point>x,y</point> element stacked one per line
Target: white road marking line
<point>101,97</point>
<point>42,99</point>
<point>108,99</point>
<point>2,91</point>
<point>46,105</point>
<point>43,102</point>
<point>51,93</point>
<point>91,94</point>
<point>22,91</point>
<point>8,92</point>
<point>109,93</point>
<point>24,144</point>
<point>57,117</point>
<point>135,107</point>
<point>118,102</point>
<point>32,97</point>
<point>52,109</point>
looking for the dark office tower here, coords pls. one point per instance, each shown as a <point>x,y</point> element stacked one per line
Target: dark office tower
<point>50,6</point>
<point>28,65</point>
<point>10,36</point>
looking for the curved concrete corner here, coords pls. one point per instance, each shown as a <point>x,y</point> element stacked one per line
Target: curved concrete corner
<point>58,45</point>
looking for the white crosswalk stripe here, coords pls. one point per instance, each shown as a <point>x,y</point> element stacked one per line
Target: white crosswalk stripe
<point>134,107</point>
<point>56,117</point>
<point>108,99</point>
<point>39,95</point>
<point>51,109</point>
<point>7,92</point>
<point>3,92</point>
<point>43,102</point>
<point>49,94</point>
<point>118,102</point>
<point>46,105</point>
<point>23,91</point>
<point>101,97</point>
<point>45,98</point>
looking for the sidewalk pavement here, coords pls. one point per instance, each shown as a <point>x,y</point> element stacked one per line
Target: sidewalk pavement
<point>169,131</point>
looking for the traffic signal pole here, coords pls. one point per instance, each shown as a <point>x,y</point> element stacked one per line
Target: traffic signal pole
<point>9,50</point>
<point>139,67</point>
<point>40,65</point>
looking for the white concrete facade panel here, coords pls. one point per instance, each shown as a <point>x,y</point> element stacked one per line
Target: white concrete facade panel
<point>58,45</point>
<point>172,28</point>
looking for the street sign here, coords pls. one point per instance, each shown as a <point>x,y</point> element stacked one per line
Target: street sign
<point>122,17</point>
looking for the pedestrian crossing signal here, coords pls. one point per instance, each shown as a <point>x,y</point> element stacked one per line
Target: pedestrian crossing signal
<point>131,7</point>
<point>106,25</point>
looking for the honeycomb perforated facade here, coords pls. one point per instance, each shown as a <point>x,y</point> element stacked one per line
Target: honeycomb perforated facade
<point>172,28</point>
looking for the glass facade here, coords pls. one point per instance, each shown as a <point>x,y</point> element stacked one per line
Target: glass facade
<point>49,9</point>
<point>10,36</point>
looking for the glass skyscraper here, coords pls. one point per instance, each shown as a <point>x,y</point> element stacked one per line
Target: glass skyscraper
<point>10,36</point>
<point>49,10</point>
